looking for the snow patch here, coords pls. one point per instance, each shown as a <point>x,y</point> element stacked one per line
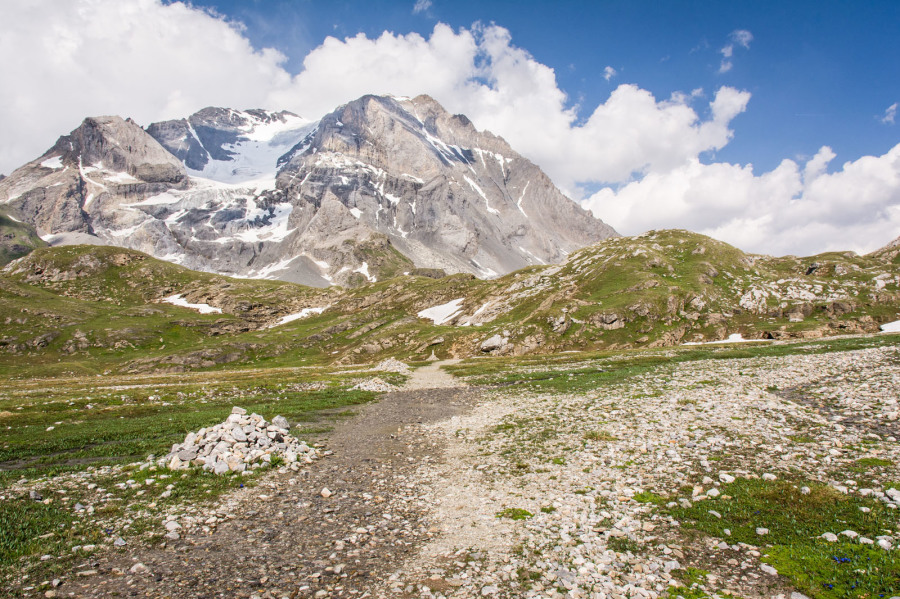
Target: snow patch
<point>255,156</point>
<point>364,271</point>
<point>535,258</point>
<point>268,271</point>
<point>54,163</point>
<point>891,327</point>
<point>733,338</point>
<point>441,314</point>
<point>521,197</point>
<point>356,212</point>
<point>157,200</point>
<point>298,315</point>
<point>122,177</point>
<point>178,300</point>
<point>275,230</point>
<point>481,193</point>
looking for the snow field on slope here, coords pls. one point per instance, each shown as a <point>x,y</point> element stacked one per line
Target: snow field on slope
<point>178,300</point>
<point>298,315</point>
<point>444,312</point>
<point>256,157</point>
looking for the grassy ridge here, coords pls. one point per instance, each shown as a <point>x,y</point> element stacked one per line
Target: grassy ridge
<point>98,309</point>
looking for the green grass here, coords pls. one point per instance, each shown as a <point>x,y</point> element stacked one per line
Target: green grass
<point>29,527</point>
<point>649,497</point>
<point>873,463</point>
<point>129,425</point>
<point>624,545</point>
<point>838,570</point>
<point>796,522</point>
<point>514,513</point>
<point>575,373</point>
<point>599,436</point>
<point>59,434</point>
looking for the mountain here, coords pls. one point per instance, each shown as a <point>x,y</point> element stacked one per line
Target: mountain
<point>63,305</point>
<point>379,187</point>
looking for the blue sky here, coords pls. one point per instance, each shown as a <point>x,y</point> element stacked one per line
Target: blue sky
<point>769,125</point>
<point>821,72</point>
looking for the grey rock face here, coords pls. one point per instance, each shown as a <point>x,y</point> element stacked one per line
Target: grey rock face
<point>378,187</point>
<point>445,194</point>
<point>85,177</point>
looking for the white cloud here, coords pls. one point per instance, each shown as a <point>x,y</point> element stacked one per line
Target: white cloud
<point>609,73</point>
<point>792,209</point>
<point>421,6</point>
<point>150,61</point>
<point>890,114</point>
<point>742,38</point>
<point>739,37</point>
<point>503,89</point>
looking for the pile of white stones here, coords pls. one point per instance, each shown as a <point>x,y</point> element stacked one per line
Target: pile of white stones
<point>374,384</point>
<point>393,365</point>
<point>239,443</point>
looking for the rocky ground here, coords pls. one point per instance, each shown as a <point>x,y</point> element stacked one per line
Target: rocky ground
<point>448,491</point>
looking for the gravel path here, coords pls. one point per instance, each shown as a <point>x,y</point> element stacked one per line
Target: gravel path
<point>289,536</point>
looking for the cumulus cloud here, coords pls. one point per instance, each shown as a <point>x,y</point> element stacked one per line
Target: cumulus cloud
<point>421,6</point>
<point>502,88</point>
<point>609,73</point>
<point>152,61</point>
<point>793,209</point>
<point>738,37</point>
<point>890,114</point>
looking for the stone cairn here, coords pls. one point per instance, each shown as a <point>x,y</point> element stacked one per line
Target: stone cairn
<point>240,443</point>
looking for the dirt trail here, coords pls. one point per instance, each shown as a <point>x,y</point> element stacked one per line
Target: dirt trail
<point>433,376</point>
<point>285,538</point>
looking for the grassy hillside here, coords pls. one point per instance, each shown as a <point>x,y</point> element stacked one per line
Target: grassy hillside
<point>16,238</point>
<point>101,309</point>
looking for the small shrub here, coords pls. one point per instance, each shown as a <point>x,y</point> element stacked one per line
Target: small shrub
<point>599,436</point>
<point>514,513</point>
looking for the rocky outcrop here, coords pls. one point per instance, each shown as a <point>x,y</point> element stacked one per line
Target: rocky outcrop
<point>890,252</point>
<point>17,239</point>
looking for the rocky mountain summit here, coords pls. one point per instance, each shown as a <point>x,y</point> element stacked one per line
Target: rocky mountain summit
<point>380,186</point>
